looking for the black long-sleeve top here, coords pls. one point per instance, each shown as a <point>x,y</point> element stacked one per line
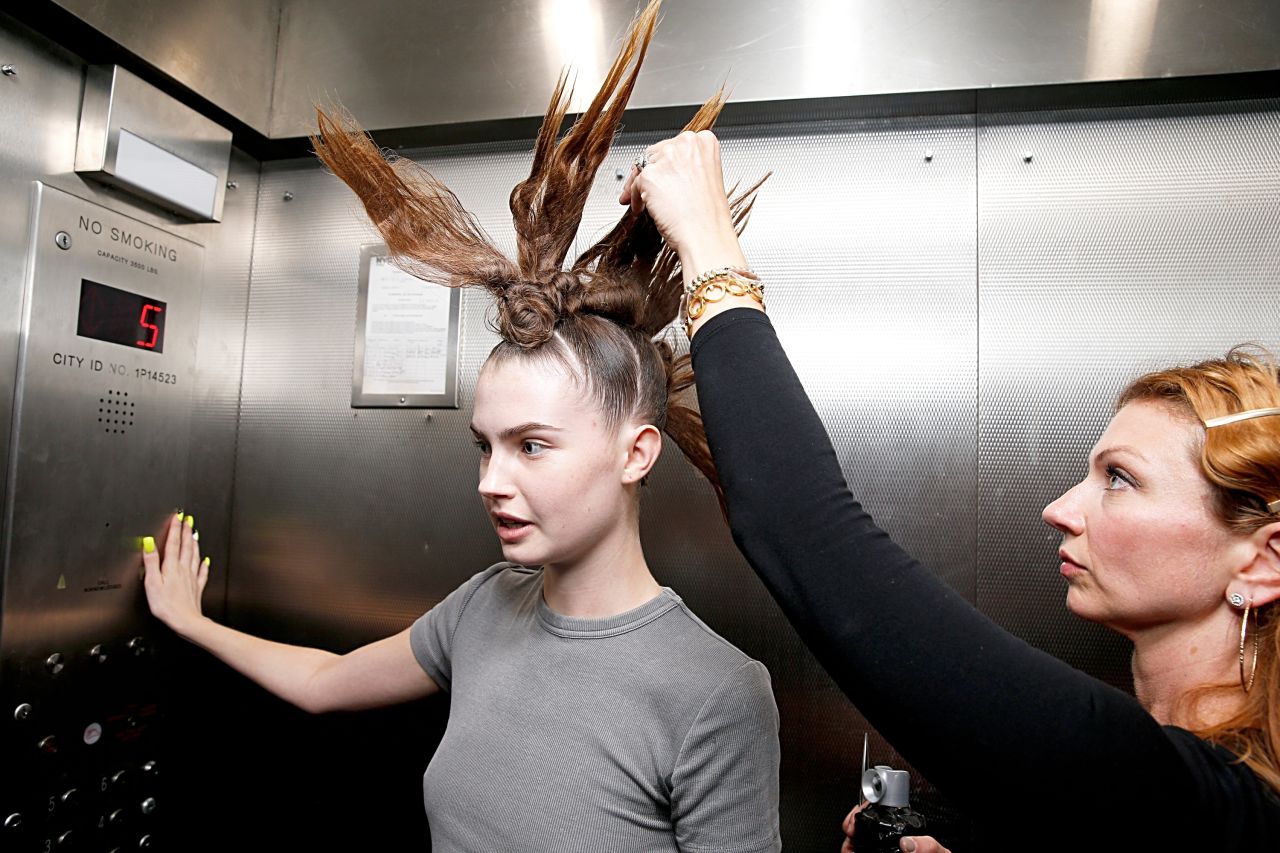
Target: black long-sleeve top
<point>1041,754</point>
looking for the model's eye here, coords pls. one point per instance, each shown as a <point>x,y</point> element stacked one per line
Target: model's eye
<point>483,445</point>
<point>532,448</point>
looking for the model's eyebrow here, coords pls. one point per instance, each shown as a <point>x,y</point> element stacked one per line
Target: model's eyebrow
<point>518,430</point>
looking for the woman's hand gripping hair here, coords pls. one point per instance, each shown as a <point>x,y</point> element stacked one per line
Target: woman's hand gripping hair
<point>681,185</point>
<point>175,577</point>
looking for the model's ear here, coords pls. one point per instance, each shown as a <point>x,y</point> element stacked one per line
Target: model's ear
<point>644,446</point>
<point>1259,579</point>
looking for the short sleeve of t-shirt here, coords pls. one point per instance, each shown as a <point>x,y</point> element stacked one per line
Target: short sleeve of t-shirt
<point>728,770</point>
<point>431,636</point>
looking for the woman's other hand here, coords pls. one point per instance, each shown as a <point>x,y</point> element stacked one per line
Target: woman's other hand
<point>682,188</point>
<point>909,844</point>
<point>176,576</point>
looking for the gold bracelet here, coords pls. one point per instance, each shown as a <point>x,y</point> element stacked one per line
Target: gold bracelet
<point>718,272</point>
<point>716,288</point>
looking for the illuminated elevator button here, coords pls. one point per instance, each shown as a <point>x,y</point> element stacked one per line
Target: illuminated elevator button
<point>151,769</point>
<point>54,663</point>
<point>98,653</point>
<point>13,822</point>
<point>92,733</point>
<point>22,712</point>
<point>149,805</point>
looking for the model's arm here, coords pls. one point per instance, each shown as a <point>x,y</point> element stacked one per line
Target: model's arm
<point>381,673</point>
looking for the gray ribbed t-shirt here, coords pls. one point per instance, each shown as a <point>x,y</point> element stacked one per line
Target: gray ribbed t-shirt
<point>644,731</point>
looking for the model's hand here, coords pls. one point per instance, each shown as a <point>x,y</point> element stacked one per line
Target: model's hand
<point>682,188</point>
<point>175,583</point>
<point>910,844</point>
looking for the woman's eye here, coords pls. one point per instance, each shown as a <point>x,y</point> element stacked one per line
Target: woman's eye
<point>532,448</point>
<point>1116,479</point>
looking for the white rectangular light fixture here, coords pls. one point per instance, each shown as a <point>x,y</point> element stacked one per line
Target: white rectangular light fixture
<point>137,138</point>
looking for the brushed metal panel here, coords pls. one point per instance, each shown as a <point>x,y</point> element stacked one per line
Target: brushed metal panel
<point>1131,240</point>
<point>407,65</point>
<point>223,51</point>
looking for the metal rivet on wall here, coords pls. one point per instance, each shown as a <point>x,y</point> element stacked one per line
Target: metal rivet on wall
<point>427,417</point>
<point>288,196</point>
<point>9,70</point>
<point>618,174</point>
<point>928,156</point>
<point>233,185</point>
<point>1027,156</point>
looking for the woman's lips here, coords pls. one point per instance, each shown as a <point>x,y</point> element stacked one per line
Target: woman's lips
<point>1069,566</point>
<point>511,529</point>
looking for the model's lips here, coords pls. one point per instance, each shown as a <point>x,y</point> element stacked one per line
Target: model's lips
<point>511,528</point>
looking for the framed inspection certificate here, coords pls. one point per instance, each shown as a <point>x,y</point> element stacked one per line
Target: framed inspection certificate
<point>406,348</point>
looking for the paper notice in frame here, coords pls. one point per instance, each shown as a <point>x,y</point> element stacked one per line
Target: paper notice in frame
<point>406,353</point>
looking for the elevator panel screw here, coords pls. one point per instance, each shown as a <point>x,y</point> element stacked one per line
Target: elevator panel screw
<point>288,196</point>
<point>9,70</point>
<point>63,239</point>
<point>233,185</point>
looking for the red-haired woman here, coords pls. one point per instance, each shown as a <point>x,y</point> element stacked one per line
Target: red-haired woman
<point>1172,539</point>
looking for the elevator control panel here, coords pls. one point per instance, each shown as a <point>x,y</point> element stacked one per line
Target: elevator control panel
<point>98,460</point>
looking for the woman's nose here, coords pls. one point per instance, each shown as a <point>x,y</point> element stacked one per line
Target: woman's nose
<point>1065,514</point>
<point>494,483</point>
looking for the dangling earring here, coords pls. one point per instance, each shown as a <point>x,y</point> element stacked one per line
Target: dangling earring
<point>1244,625</point>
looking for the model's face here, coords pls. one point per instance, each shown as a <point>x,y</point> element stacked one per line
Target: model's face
<point>551,474</point>
<point>1141,545</point>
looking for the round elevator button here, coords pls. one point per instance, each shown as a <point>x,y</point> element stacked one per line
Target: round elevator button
<point>54,663</point>
<point>49,745</point>
<point>98,653</point>
<point>149,805</point>
<point>22,712</point>
<point>13,822</point>
<point>144,843</point>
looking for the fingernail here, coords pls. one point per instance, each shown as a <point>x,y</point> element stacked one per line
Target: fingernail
<point>148,545</point>
<point>178,513</point>
<point>191,521</point>
<point>909,845</point>
<point>206,562</point>
<point>195,536</point>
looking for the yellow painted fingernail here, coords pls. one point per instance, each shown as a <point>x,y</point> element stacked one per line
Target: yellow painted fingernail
<point>191,521</point>
<point>206,562</point>
<point>178,513</point>
<point>195,536</point>
<point>148,544</point>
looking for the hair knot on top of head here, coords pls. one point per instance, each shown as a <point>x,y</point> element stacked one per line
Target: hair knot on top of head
<point>629,277</point>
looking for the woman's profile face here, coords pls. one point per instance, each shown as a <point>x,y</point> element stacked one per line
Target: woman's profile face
<point>550,472</point>
<point>1141,545</point>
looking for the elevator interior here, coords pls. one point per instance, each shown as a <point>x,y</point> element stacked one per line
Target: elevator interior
<point>982,219</point>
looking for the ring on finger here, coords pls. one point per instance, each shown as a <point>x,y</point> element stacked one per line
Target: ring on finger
<point>642,161</point>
